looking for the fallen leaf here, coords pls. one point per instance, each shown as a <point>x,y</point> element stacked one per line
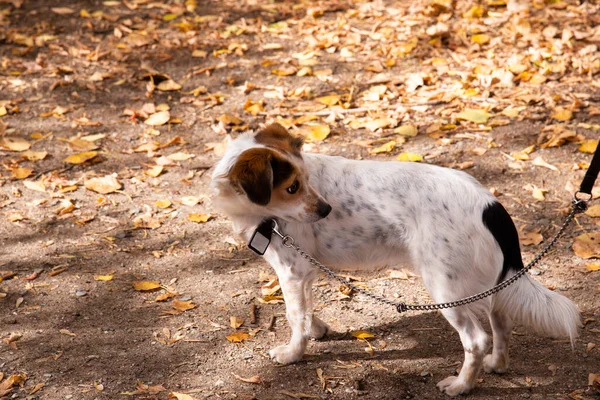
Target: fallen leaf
<point>380,123</point>
<point>180,156</point>
<point>104,278</point>
<point>158,119</point>
<point>539,161</point>
<point>588,146</point>
<point>384,148</point>
<point>146,221</point>
<point>67,332</point>
<point>80,158</point>
<point>34,155</point>
<point>146,286</point>
<point>238,337</point>
<point>587,245</point>
<point>255,379</point>
<point>593,211</point>
<point>38,186</point>
<point>236,322</point>
<point>164,203</point>
<point>190,201</point>
<point>167,86</point>
<point>562,114</point>
<point>154,171</point>
<point>409,157</point>
<point>254,107</point>
<point>406,130</point>
<point>477,116</point>
<point>315,133</point>
<point>62,10</point>
<point>199,218</point>
<point>21,173</point>
<point>182,306</point>
<point>481,38</point>
<point>180,396</point>
<point>530,238</point>
<point>14,143</point>
<point>103,185</point>
<point>363,335</point>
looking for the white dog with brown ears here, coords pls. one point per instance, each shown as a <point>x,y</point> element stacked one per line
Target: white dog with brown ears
<point>367,214</point>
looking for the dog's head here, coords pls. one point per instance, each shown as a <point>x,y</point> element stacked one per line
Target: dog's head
<point>269,177</point>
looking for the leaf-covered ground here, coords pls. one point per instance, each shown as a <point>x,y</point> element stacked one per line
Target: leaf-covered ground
<point>118,278</point>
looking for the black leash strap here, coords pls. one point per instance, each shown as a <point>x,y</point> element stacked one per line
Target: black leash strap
<point>592,173</point>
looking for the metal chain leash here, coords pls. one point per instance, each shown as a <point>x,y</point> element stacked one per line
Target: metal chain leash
<point>578,206</point>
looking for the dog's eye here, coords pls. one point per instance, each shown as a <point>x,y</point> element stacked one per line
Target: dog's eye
<point>294,188</point>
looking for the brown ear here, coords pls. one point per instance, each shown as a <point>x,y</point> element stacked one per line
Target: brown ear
<point>254,174</point>
<point>278,137</point>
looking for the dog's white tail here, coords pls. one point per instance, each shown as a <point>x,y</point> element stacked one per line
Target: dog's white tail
<point>537,307</point>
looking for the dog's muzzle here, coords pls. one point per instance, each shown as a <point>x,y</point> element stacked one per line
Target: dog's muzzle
<point>323,209</point>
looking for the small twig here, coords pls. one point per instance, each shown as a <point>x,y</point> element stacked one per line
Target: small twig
<point>271,325</point>
<point>253,314</point>
<point>60,170</point>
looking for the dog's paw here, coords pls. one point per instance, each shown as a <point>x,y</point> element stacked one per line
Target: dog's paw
<point>494,365</point>
<point>318,329</point>
<point>285,354</point>
<point>453,386</point>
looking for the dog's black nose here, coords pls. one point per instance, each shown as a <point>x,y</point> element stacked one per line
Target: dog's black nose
<point>323,209</point>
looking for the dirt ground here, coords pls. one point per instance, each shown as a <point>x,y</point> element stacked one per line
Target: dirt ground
<point>72,322</point>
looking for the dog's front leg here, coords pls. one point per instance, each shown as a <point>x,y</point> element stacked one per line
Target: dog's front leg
<point>299,316</point>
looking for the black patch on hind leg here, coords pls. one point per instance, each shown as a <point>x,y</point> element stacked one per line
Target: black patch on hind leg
<point>497,220</point>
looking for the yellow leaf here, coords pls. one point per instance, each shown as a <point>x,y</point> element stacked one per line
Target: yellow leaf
<point>34,155</point>
<point>183,305</point>
<point>158,119</point>
<point>168,85</point>
<point>103,185</point>
<point>593,211</point>
<point>595,266</point>
<point>93,138</point>
<point>146,286</point>
<point>164,203</point>
<point>200,218</point>
<point>587,245</point>
<point>363,335</point>
<point>104,278</point>
<point>409,157</point>
<point>180,156</point>
<point>480,39</point>
<point>14,143</point>
<point>180,396</point>
<point>230,120</point>
<point>165,296</point>
<point>315,133</point>
<point>384,148</point>
<point>254,107</point>
<point>38,186</point>
<point>154,171</point>
<point>169,17</point>
<point>407,130</point>
<point>523,155</point>
<point>62,10</point>
<point>286,71</point>
<point>378,123</point>
<point>477,116</point>
<point>562,114</point>
<point>3,111</point>
<point>21,173</point>
<point>331,100</point>
<point>512,112</point>
<point>80,158</point>
<point>238,337</point>
<point>236,322</point>
<point>588,146</point>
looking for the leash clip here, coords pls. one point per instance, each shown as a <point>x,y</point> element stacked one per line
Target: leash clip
<point>580,204</point>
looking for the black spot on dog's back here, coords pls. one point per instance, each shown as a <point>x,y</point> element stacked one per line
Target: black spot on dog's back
<point>497,220</point>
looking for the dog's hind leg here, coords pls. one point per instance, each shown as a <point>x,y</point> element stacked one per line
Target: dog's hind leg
<point>501,328</point>
<point>475,342</point>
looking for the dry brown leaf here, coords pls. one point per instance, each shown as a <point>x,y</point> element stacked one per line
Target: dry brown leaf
<point>255,379</point>
<point>238,337</point>
<point>531,238</point>
<point>154,171</point>
<point>158,119</point>
<point>146,221</point>
<point>21,173</point>
<point>103,185</point>
<point>180,156</point>
<point>384,148</point>
<point>593,211</point>
<point>38,186</point>
<point>67,332</point>
<point>539,161</point>
<point>236,322</point>
<point>146,286</point>
<point>587,245</point>
<point>562,114</point>
<point>167,86</point>
<point>163,203</point>
<point>199,218</point>
<point>182,306</point>
<point>81,157</point>
<point>34,155</point>
<point>180,396</point>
